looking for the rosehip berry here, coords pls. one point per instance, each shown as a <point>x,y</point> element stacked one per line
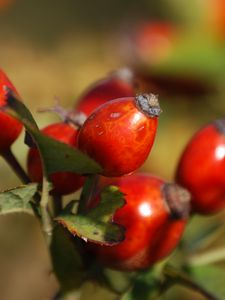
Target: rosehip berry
<point>120,133</point>
<point>201,168</point>
<point>118,85</point>
<point>152,42</point>
<point>10,127</point>
<point>215,17</point>
<point>154,217</point>
<point>63,182</point>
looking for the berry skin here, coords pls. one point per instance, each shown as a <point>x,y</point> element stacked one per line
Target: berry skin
<point>10,127</point>
<point>63,182</point>
<point>201,168</point>
<point>120,133</point>
<point>118,85</point>
<point>154,217</point>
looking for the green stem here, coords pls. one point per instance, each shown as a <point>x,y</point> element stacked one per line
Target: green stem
<point>174,276</point>
<point>87,193</point>
<point>209,257</point>
<point>46,219</point>
<point>15,165</point>
<point>57,203</point>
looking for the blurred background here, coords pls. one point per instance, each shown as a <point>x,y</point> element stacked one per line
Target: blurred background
<point>58,48</point>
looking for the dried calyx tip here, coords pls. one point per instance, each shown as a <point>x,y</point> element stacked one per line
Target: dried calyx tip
<point>178,200</point>
<point>149,104</point>
<point>74,118</point>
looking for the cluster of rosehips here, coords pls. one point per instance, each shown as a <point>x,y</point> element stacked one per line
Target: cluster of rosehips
<point>118,133</point>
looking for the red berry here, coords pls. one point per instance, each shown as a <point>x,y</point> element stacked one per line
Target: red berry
<point>63,182</point>
<point>150,42</point>
<point>202,166</point>
<point>10,127</point>
<point>215,17</point>
<point>118,85</point>
<point>154,218</point>
<point>120,133</point>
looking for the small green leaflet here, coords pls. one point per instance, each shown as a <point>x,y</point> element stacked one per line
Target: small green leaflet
<point>56,156</point>
<point>17,199</point>
<point>96,225</point>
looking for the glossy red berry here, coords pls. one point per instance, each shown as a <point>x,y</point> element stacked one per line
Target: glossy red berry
<point>154,218</point>
<point>201,168</point>
<point>118,85</point>
<point>119,134</point>
<point>63,182</point>
<point>10,128</point>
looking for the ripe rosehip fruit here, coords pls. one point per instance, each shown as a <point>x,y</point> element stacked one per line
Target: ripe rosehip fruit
<point>154,40</point>
<point>120,133</point>
<point>118,85</point>
<point>154,216</point>
<point>201,168</point>
<point>63,182</point>
<point>215,17</point>
<point>150,42</point>
<point>10,127</point>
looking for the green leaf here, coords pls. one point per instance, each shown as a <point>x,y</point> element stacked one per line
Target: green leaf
<point>66,260</point>
<point>96,224</point>
<point>210,278</point>
<point>17,199</point>
<point>56,156</point>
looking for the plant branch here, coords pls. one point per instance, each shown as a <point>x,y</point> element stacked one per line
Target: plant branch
<point>15,165</point>
<point>57,203</point>
<point>87,192</point>
<point>174,276</point>
<point>46,219</point>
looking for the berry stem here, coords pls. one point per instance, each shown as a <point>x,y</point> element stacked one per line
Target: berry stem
<point>88,190</point>
<point>46,219</point>
<point>174,276</point>
<point>15,165</point>
<point>57,203</point>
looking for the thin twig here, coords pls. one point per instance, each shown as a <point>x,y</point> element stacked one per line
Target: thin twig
<point>57,203</point>
<point>15,165</point>
<point>87,193</point>
<point>174,276</point>
<point>46,219</point>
